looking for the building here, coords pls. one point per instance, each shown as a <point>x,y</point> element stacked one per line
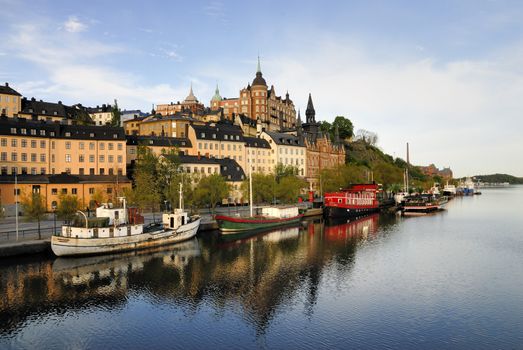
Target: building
<point>131,114</point>
<point>29,147</point>
<point>226,167</point>
<point>190,103</point>
<point>176,125</point>
<point>101,115</point>
<point>286,149</point>
<point>38,110</point>
<point>51,187</point>
<point>322,153</point>
<point>259,103</point>
<point>218,140</point>
<point>10,101</point>
<point>432,170</point>
<point>132,126</point>
<point>158,145</point>
<point>259,155</point>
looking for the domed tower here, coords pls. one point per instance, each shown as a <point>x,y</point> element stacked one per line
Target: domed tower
<point>259,108</point>
<point>216,99</point>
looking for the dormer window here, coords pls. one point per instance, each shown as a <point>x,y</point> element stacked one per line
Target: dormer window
<point>43,111</point>
<point>13,130</point>
<point>183,143</point>
<point>42,132</point>
<point>91,134</point>
<point>224,168</point>
<point>23,131</point>
<point>51,133</point>
<point>237,137</point>
<point>202,135</point>
<point>30,110</point>
<point>33,131</point>
<point>55,113</point>
<point>225,137</point>
<point>115,136</point>
<point>150,142</point>
<point>213,136</point>
<point>68,134</point>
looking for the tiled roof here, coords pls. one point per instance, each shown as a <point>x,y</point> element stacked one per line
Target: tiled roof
<point>7,90</point>
<point>285,139</point>
<point>256,142</point>
<point>231,170</point>
<point>218,132</point>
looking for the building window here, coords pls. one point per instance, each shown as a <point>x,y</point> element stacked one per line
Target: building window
<point>42,132</point>
<point>64,190</point>
<point>14,156</point>
<point>14,170</point>
<point>91,158</point>
<point>109,190</point>
<point>52,158</point>
<point>33,131</point>
<point>23,131</point>
<point>74,191</point>
<point>110,146</point>
<point>33,157</point>
<point>102,171</point>
<point>4,143</point>
<point>120,147</point>
<point>23,143</point>
<point>3,157</point>
<point>81,145</point>
<point>111,159</point>
<point>67,134</point>
<point>33,143</point>
<point>102,158</point>
<point>68,158</point>
<point>42,171</point>
<point>68,145</point>
<point>14,143</point>
<point>54,191</point>
<point>120,159</point>
<point>91,190</point>
<point>52,144</point>
<point>81,171</point>
<point>81,158</point>
<point>33,171</point>
<point>13,131</point>
<point>91,146</point>
<point>51,133</point>
<point>102,146</point>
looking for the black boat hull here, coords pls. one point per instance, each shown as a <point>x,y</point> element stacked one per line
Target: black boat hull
<point>346,213</point>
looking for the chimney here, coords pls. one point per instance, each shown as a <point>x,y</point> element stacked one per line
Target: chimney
<point>7,84</point>
<point>33,99</point>
<point>59,102</point>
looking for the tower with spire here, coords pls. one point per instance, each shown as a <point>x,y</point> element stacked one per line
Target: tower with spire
<point>310,127</point>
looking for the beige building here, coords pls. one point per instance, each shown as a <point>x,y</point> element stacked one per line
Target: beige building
<point>260,155</point>
<point>170,126</point>
<point>287,149</point>
<point>101,115</point>
<point>190,104</point>
<point>218,140</point>
<point>10,101</point>
<point>158,145</point>
<point>132,126</point>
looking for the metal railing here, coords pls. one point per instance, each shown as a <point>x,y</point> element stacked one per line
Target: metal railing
<point>26,234</point>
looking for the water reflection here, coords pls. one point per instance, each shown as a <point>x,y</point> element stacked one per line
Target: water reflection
<point>257,275</point>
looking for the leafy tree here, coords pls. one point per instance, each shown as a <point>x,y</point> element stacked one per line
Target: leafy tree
<point>263,188</point>
<point>98,198</point>
<point>289,188</point>
<point>33,206</point>
<point>368,137</point>
<point>67,207</point>
<point>345,127</point>
<point>145,191</point>
<point>281,171</point>
<point>116,114</point>
<point>211,190</point>
<point>325,127</point>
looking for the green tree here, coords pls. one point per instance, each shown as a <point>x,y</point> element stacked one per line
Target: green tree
<point>67,207</point>
<point>289,188</point>
<point>263,188</point>
<point>116,114</point>
<point>211,190</point>
<point>97,198</point>
<point>33,206</point>
<point>325,127</point>
<point>281,171</point>
<point>345,127</point>
<point>146,191</point>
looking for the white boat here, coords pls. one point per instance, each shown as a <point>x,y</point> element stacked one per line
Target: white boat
<point>449,190</point>
<point>122,229</point>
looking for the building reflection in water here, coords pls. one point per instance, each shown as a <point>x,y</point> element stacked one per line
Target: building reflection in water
<point>257,274</point>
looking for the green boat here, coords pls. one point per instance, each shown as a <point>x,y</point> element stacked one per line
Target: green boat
<point>271,217</point>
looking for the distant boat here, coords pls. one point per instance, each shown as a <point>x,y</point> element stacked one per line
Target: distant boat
<point>422,204</point>
<point>357,200</point>
<point>117,229</point>
<point>449,190</point>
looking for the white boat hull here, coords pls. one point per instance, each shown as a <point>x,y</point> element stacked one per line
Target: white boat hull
<point>70,246</point>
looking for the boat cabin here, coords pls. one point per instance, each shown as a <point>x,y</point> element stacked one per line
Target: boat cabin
<point>117,216</point>
<point>361,195</point>
<point>171,221</point>
<point>280,212</point>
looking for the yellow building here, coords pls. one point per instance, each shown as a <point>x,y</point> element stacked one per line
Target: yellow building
<point>190,104</point>
<point>132,126</point>
<point>218,140</point>
<point>101,115</point>
<point>259,155</point>
<point>51,187</point>
<point>170,126</point>
<point>10,101</point>
<point>48,148</point>
<point>158,145</point>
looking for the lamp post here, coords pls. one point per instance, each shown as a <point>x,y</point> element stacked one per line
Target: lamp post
<point>86,223</point>
<point>54,220</point>
<point>16,204</point>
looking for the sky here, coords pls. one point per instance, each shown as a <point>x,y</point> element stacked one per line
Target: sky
<point>444,76</point>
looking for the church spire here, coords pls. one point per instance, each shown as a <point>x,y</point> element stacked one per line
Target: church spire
<point>298,122</point>
<point>258,69</point>
<point>216,96</point>
<point>310,113</point>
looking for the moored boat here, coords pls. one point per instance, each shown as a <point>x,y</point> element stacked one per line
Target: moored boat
<point>121,229</point>
<point>421,205</point>
<point>357,200</point>
<point>270,217</point>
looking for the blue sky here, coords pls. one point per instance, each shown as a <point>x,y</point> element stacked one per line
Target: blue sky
<point>445,76</point>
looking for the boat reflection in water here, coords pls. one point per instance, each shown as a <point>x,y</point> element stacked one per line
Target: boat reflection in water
<point>356,228</point>
<point>83,269</point>
<point>268,235</point>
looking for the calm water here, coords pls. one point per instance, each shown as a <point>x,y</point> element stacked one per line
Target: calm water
<point>450,280</point>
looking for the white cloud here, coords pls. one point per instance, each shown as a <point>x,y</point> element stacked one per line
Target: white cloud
<point>74,25</point>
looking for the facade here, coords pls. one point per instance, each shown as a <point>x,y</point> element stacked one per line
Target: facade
<point>38,110</point>
<point>101,115</point>
<point>218,140</point>
<point>432,170</point>
<point>10,101</point>
<point>176,125</point>
<point>259,155</point>
<point>132,126</point>
<point>131,114</point>
<point>51,187</point>
<point>49,148</point>
<point>287,149</point>
<point>158,145</point>
<point>259,103</point>
<point>190,104</point>
<point>322,153</point>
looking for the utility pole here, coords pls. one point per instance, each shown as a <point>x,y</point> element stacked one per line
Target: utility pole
<point>16,204</point>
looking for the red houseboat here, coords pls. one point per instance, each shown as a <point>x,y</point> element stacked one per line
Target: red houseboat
<point>357,200</point>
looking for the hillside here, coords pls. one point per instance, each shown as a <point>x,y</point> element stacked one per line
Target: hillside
<point>513,180</point>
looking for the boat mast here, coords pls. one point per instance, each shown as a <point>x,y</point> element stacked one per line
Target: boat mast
<point>407,170</point>
<point>250,186</point>
<point>180,205</point>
